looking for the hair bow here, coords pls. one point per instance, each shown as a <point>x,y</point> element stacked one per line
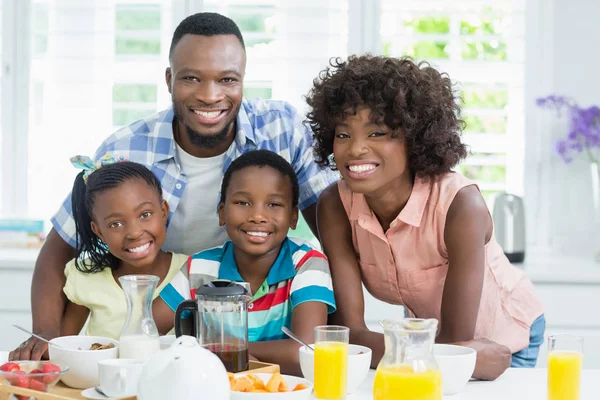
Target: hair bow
<point>88,165</point>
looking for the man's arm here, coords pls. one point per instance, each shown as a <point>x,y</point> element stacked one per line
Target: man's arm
<point>47,297</point>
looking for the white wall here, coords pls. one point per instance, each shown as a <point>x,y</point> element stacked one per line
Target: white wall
<point>562,58</point>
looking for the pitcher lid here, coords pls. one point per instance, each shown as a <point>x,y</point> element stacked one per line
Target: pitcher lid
<point>222,287</point>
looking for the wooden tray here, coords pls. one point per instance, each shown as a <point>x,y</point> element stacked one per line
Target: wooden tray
<point>58,392</point>
<point>257,367</point>
<point>62,392</point>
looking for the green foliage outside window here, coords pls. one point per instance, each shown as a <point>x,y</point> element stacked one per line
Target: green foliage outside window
<point>248,21</point>
<point>427,50</point>
<point>488,51</point>
<point>484,173</point>
<point>254,92</point>
<point>134,93</point>
<point>137,18</point>
<point>482,98</point>
<point>137,46</point>
<point>429,25</point>
<point>485,123</point>
<point>488,23</point>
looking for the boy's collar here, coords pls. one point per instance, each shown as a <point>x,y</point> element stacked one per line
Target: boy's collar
<point>281,270</point>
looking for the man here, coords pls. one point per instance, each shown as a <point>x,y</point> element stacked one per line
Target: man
<point>188,147</point>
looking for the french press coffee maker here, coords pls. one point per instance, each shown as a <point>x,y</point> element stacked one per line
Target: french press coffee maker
<point>219,315</point>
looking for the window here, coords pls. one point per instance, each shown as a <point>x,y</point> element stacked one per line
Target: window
<point>96,66</point>
<point>2,178</point>
<point>287,43</point>
<point>481,46</point>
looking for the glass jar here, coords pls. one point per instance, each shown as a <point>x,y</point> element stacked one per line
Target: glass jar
<point>408,369</point>
<point>139,336</point>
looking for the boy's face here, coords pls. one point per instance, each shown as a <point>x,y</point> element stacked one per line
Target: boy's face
<point>130,219</point>
<point>257,212</point>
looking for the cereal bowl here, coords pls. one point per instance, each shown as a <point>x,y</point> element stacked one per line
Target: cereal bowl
<point>456,363</point>
<point>290,381</point>
<point>359,363</point>
<point>74,352</point>
<point>34,375</point>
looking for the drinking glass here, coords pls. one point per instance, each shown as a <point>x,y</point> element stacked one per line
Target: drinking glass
<point>565,353</point>
<point>331,361</point>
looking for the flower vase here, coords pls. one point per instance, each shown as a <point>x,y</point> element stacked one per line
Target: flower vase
<point>595,173</point>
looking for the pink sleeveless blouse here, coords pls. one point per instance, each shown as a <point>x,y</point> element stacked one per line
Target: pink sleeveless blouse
<point>408,264</point>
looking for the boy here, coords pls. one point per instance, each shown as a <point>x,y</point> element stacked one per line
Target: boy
<point>290,282</point>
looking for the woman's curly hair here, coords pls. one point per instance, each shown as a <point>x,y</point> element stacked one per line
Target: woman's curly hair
<point>403,95</point>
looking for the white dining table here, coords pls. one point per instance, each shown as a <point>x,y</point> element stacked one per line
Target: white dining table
<point>514,384</point>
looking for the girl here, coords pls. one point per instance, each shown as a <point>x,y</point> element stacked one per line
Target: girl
<point>401,222</point>
<point>120,218</point>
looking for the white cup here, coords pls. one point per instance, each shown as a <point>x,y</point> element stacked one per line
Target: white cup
<point>119,377</point>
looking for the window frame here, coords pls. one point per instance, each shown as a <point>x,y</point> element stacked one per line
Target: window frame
<point>15,104</point>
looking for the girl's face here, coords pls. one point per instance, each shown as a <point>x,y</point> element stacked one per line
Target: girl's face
<point>367,155</point>
<point>258,212</point>
<point>131,220</point>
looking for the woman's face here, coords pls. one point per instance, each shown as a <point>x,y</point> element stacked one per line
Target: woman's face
<point>368,157</point>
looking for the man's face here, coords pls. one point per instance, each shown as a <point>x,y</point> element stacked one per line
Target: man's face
<point>205,80</point>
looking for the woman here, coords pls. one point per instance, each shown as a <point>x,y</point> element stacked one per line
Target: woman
<point>401,222</point>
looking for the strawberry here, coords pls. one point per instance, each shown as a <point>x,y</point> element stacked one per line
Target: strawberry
<point>9,366</point>
<point>37,371</point>
<point>22,396</point>
<point>20,379</point>
<point>35,384</point>
<point>49,367</point>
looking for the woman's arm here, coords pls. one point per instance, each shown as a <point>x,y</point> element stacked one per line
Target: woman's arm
<point>73,319</point>
<point>468,229</point>
<point>305,318</point>
<point>466,233</point>
<point>336,237</point>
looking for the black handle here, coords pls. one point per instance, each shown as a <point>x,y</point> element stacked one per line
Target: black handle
<point>189,305</point>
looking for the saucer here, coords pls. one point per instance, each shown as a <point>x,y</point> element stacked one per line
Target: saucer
<point>93,394</point>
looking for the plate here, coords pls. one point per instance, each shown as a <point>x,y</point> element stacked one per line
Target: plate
<point>93,394</point>
<point>292,381</point>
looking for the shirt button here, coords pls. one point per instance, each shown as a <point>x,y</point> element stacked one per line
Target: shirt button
<point>178,186</point>
<point>394,223</point>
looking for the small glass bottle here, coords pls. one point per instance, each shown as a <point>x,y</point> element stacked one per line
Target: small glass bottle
<point>139,336</point>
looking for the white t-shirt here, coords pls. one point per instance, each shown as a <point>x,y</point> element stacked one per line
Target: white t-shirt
<point>195,223</point>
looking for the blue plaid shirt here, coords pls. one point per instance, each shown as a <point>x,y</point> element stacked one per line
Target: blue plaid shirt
<point>261,124</point>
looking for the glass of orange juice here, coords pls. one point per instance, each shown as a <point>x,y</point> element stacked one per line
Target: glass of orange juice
<point>565,353</point>
<point>331,361</point>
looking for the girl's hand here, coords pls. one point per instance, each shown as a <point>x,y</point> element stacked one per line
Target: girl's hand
<point>492,358</point>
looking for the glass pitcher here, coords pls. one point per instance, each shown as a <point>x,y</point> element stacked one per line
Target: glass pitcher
<point>408,369</point>
<point>220,321</point>
<point>139,336</point>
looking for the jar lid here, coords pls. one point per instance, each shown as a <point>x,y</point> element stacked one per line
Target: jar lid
<point>222,288</point>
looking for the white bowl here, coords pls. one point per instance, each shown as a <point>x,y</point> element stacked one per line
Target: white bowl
<point>291,381</point>
<point>166,341</point>
<point>456,363</point>
<point>358,365</point>
<point>83,364</point>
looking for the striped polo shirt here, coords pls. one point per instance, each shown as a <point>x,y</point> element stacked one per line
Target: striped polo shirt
<point>299,274</point>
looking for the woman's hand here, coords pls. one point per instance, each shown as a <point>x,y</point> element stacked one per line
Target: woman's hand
<point>492,358</point>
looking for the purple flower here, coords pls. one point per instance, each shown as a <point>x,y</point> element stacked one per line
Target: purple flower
<point>584,127</point>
